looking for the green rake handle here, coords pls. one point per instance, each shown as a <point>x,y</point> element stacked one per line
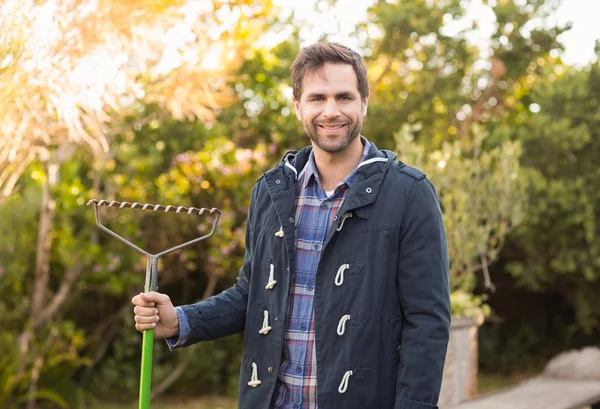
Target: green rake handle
<point>146,372</point>
<point>148,338</point>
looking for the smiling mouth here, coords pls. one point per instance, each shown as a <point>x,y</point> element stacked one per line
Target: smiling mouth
<point>332,127</point>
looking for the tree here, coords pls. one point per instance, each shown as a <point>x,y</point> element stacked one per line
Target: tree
<point>426,69</point>
<point>481,196</point>
<point>557,249</point>
<point>515,88</point>
<point>446,92</point>
<point>69,67</point>
<point>72,71</point>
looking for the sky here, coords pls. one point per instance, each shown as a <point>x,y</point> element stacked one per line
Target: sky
<point>579,42</point>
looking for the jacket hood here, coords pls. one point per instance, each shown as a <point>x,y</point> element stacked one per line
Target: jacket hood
<point>295,161</point>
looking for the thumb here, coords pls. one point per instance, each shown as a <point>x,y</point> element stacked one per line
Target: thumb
<point>155,297</point>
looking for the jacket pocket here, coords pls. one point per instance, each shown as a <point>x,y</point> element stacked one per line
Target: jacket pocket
<point>357,266</point>
<point>402,403</point>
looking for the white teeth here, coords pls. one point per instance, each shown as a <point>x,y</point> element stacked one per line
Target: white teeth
<point>332,127</point>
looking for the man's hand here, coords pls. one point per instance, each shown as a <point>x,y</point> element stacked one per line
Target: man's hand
<point>155,311</point>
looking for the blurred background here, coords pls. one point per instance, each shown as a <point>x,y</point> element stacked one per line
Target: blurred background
<point>188,102</point>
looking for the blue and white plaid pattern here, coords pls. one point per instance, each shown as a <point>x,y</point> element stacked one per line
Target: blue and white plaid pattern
<point>297,380</point>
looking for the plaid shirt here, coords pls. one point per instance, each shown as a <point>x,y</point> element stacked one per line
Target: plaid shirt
<point>315,209</point>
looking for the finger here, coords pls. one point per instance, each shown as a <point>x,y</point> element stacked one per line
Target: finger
<point>145,311</point>
<point>157,298</point>
<point>146,320</point>
<point>142,300</point>
<point>144,327</point>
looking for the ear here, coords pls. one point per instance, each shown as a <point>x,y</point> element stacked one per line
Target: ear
<point>297,108</point>
<point>365,104</point>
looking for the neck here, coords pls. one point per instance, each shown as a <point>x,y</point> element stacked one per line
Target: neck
<point>335,167</point>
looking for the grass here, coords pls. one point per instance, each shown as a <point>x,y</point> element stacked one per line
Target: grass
<point>209,402</point>
<point>486,383</point>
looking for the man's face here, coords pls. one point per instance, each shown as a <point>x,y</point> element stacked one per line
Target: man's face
<point>330,107</point>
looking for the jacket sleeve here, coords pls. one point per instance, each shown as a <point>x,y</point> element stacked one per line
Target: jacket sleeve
<point>423,283</point>
<point>223,314</point>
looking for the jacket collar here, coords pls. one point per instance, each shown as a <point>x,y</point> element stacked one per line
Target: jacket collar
<point>295,161</point>
<point>364,190</point>
<point>310,169</point>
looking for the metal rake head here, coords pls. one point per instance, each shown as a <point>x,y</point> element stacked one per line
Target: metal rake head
<point>155,208</point>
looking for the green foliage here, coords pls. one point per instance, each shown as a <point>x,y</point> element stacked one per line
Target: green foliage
<point>265,113</point>
<point>558,244</point>
<point>55,353</point>
<point>415,69</point>
<point>434,87</point>
<point>56,358</point>
<point>465,304</point>
<point>425,72</point>
<point>480,195</point>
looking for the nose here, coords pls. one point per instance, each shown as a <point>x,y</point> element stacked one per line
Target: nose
<point>331,109</point>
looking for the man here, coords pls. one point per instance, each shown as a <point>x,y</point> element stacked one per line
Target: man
<point>343,295</point>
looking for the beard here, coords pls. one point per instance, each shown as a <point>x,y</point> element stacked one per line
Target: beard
<point>333,143</point>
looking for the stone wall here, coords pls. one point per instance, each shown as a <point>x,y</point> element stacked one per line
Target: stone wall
<point>459,382</point>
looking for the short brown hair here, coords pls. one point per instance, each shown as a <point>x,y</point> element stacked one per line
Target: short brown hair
<point>311,59</point>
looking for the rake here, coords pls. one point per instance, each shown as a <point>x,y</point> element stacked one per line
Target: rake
<point>151,273</point>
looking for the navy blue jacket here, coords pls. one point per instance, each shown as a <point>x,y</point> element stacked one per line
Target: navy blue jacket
<point>389,231</point>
